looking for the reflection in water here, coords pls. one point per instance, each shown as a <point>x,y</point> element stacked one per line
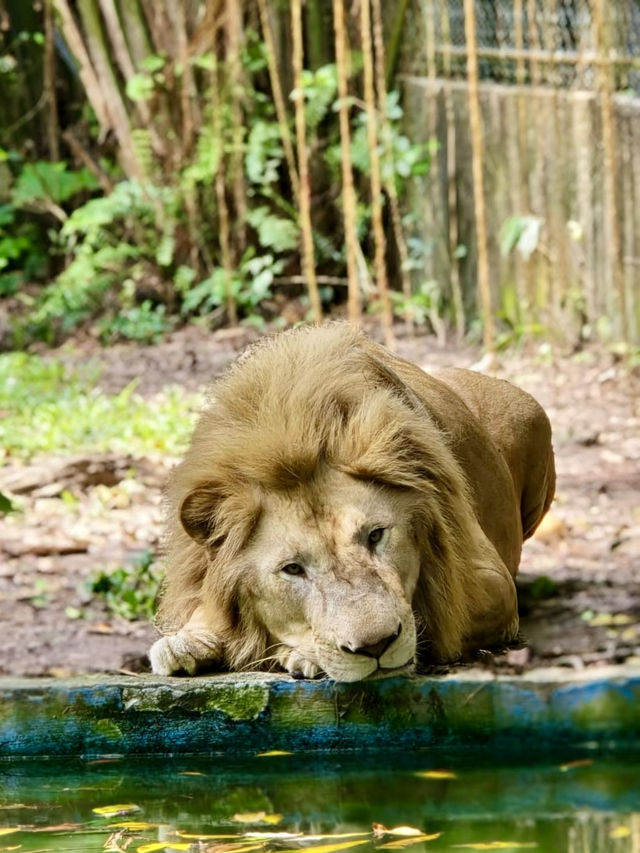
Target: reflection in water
<point>576,804</point>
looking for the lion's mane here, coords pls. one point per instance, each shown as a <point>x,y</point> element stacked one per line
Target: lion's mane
<point>302,399</point>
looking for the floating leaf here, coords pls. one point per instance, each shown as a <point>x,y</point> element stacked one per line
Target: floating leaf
<point>436,774</point>
<point>310,842</point>
<point>8,830</point>
<point>273,752</point>
<point>256,817</point>
<point>571,765</point>
<point>497,845</point>
<point>379,829</point>
<point>236,848</point>
<point>205,837</point>
<point>343,845</point>
<point>132,825</point>
<point>621,831</point>
<point>191,773</point>
<point>162,845</point>
<point>407,842</point>
<point>116,811</point>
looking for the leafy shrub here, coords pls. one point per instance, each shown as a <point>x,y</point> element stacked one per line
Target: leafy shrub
<point>130,592</point>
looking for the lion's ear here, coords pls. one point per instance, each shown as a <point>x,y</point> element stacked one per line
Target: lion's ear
<point>198,512</point>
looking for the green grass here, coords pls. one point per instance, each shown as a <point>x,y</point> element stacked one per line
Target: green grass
<point>47,407</point>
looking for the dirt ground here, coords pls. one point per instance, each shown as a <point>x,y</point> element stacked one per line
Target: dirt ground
<point>579,583</point>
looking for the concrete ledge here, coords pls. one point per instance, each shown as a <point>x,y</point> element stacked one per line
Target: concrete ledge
<point>255,712</point>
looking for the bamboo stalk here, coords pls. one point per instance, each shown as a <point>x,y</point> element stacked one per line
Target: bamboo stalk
<point>106,80</point>
<point>224,230</point>
<point>134,29</point>
<point>49,84</point>
<point>348,190</point>
<point>123,58</point>
<point>86,70</point>
<point>452,201</point>
<point>234,34</point>
<point>526,289</point>
<point>389,181</point>
<point>304,184</point>
<point>278,97</point>
<point>430,38</point>
<point>376,178</point>
<point>177,13</point>
<point>477,154</point>
<point>610,166</point>
<point>534,41</point>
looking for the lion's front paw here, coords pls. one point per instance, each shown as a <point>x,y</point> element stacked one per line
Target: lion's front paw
<point>184,652</point>
<point>296,664</point>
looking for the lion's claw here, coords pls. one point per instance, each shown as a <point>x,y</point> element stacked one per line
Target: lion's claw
<point>295,664</point>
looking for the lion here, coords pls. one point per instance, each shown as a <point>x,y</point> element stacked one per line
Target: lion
<point>340,512</point>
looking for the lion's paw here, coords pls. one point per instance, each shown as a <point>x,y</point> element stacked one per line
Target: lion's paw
<point>295,664</point>
<point>184,652</point>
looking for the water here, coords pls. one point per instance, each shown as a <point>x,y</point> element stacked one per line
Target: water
<point>584,803</point>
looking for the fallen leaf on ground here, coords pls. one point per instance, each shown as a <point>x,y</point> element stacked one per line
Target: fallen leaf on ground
<point>100,628</point>
<point>436,774</point>
<point>117,810</point>
<point>407,842</point>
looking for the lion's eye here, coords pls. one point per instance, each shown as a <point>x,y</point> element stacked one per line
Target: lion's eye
<point>292,569</point>
<point>376,536</point>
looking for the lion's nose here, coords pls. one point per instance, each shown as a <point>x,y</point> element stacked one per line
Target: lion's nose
<point>373,650</point>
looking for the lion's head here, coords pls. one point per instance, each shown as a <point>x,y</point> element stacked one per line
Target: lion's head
<point>316,503</point>
<point>329,573</point>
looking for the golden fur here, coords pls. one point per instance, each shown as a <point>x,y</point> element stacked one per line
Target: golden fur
<point>462,462</point>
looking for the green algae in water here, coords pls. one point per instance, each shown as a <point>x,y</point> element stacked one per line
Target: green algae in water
<point>579,803</point>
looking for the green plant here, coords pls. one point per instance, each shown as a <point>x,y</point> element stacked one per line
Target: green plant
<point>47,405</point>
<point>145,323</point>
<point>130,591</point>
<point>37,194</point>
<point>424,305</point>
<point>6,505</point>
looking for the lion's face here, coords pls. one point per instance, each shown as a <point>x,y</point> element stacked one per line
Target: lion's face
<point>330,572</point>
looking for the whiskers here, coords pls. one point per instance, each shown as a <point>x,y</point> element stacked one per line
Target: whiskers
<point>261,661</point>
